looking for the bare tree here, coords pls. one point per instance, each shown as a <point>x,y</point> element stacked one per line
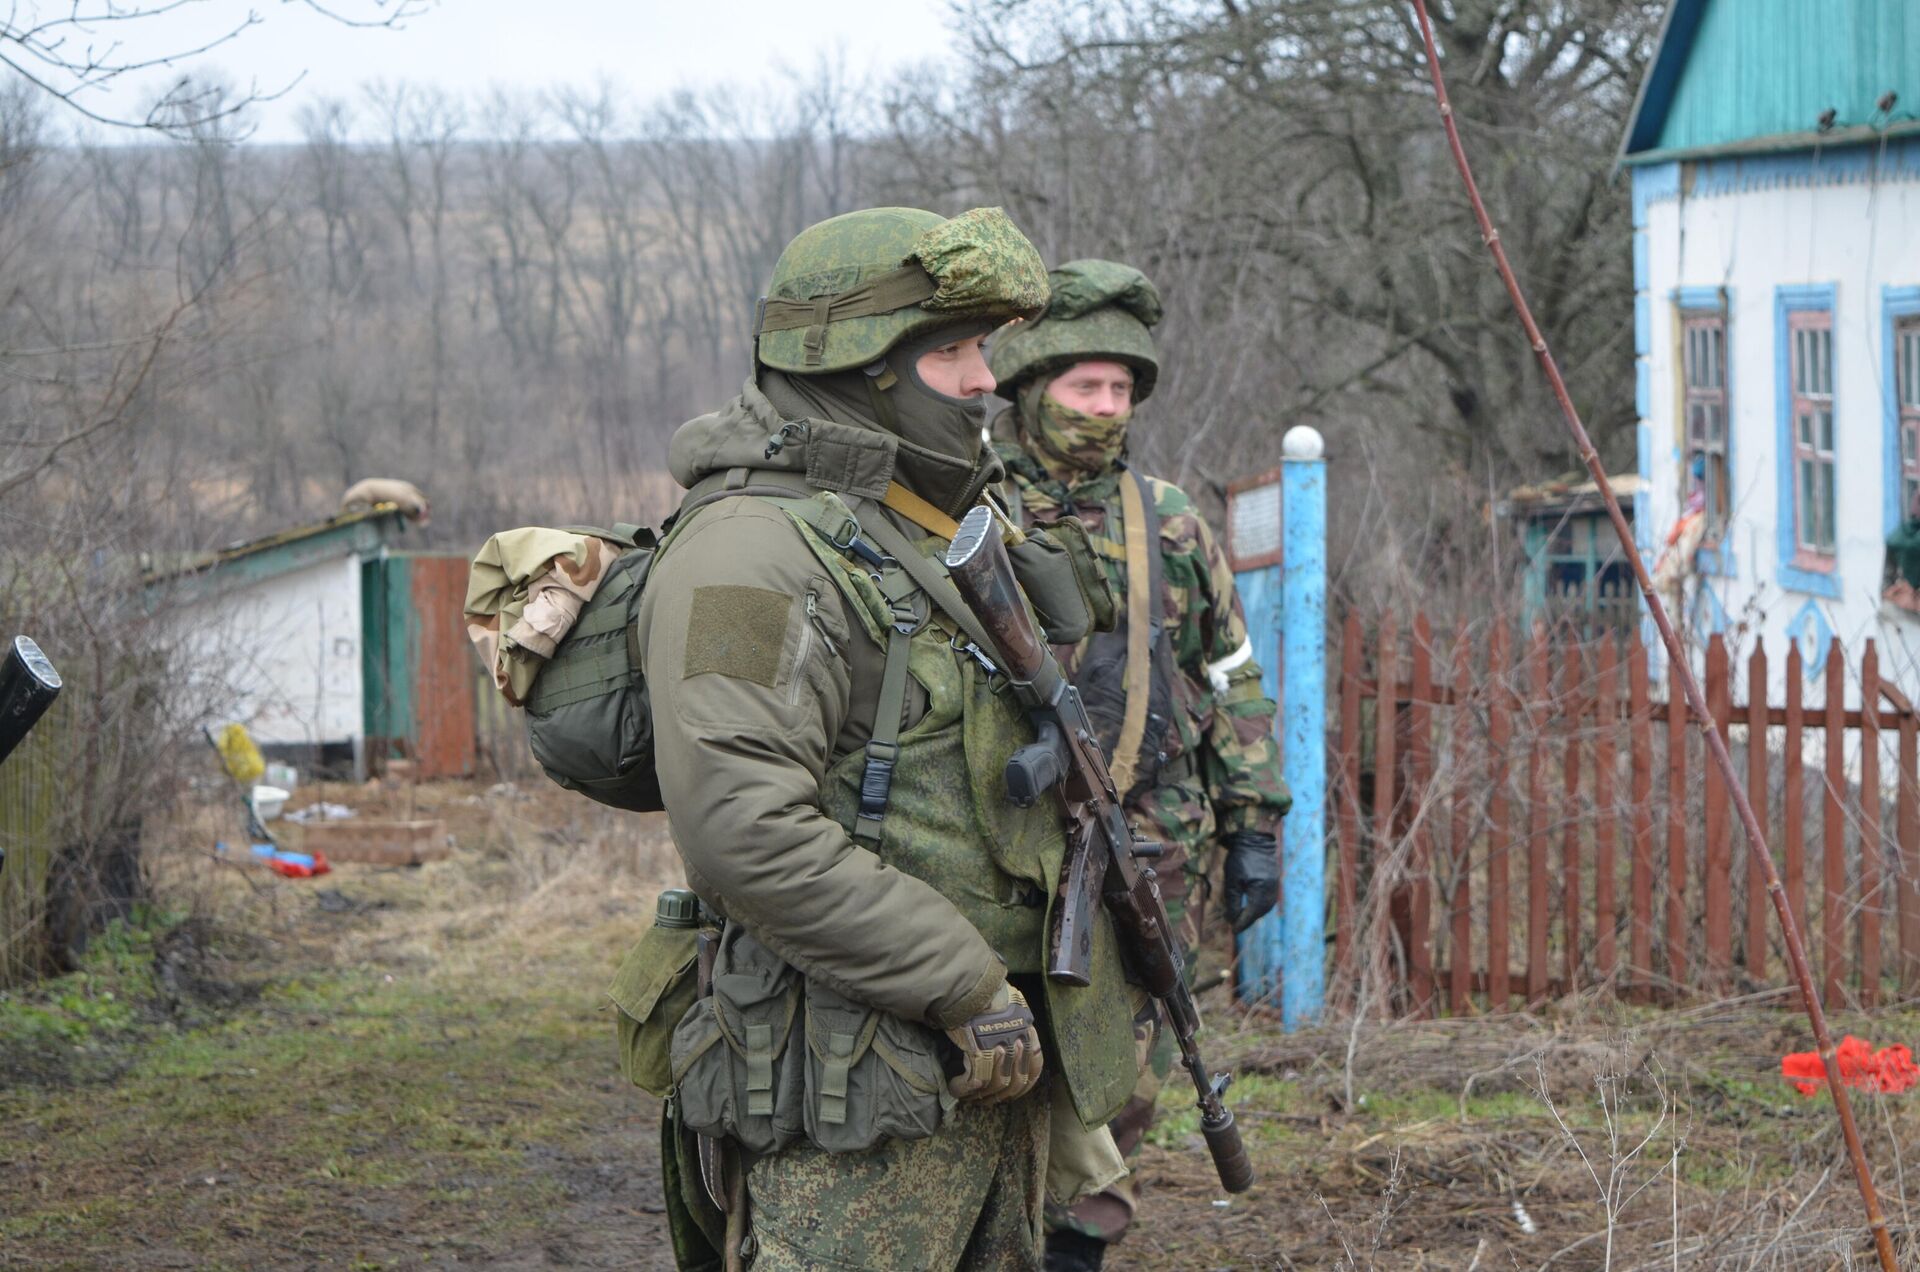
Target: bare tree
<point>77,52</point>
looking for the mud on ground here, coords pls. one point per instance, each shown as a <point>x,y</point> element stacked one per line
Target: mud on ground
<point>412,1068</point>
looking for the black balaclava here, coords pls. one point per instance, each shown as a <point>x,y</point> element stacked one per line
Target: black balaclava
<point>942,455</point>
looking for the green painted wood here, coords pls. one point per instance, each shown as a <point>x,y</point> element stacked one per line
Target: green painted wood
<point>388,629</point>
<point>1763,68</point>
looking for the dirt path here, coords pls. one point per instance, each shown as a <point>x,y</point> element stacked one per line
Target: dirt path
<point>380,1069</point>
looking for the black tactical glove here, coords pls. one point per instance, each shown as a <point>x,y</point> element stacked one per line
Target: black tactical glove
<point>1253,876</point>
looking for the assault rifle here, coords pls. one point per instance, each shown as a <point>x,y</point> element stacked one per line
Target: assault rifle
<point>1101,847</point>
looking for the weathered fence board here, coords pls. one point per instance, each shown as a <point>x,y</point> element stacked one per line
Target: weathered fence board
<point>1909,824</point>
<point>1606,832</point>
<point>1833,864</point>
<point>1500,836</point>
<point>1640,739</point>
<point>1460,839</point>
<point>1718,880</point>
<point>1348,786</point>
<point>1759,910</point>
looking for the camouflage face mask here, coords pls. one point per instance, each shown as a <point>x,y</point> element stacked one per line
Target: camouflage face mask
<point>1076,440</point>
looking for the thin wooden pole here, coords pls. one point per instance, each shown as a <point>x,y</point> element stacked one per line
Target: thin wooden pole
<point>1606,825</point>
<point>1499,821</point>
<point>1460,839</point>
<point>1716,746</point>
<point>1641,740</point>
<point>1757,789</point>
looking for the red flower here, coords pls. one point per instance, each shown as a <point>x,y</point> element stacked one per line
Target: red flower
<point>1890,1069</point>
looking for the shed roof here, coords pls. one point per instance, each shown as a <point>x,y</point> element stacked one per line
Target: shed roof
<point>1571,494</point>
<point>1757,75</point>
<point>360,533</point>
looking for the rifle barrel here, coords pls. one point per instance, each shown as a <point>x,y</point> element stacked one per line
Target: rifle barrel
<point>28,686</point>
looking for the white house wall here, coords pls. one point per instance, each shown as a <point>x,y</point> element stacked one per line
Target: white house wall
<point>286,651</point>
<point>1751,227</point>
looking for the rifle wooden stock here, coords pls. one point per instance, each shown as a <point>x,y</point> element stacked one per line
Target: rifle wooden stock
<point>1101,849</point>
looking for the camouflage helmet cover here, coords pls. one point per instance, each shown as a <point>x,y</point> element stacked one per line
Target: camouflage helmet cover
<point>850,288</point>
<point>1099,310</point>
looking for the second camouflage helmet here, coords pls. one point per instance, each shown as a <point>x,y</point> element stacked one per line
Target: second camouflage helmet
<point>850,288</point>
<point>1099,311</point>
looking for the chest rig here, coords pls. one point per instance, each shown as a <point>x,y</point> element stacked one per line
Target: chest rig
<point>1126,676</point>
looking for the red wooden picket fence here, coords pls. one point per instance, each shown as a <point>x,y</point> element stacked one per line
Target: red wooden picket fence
<point>1516,824</point>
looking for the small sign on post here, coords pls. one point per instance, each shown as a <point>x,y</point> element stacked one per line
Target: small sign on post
<point>1254,533</point>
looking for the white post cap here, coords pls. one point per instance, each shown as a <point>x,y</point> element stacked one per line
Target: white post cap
<point>1303,441</point>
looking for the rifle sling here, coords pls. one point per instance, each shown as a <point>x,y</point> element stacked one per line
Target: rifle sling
<point>932,578</point>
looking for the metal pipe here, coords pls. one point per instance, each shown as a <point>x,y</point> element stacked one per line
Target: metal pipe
<point>1677,659</point>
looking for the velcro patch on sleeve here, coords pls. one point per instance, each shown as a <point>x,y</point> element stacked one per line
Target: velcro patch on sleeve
<point>737,631</point>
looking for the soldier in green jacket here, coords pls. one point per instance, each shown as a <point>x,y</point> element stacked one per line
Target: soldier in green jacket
<point>830,747</point>
<point>1175,687</point>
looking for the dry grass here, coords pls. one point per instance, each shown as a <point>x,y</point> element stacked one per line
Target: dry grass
<point>1596,1136</point>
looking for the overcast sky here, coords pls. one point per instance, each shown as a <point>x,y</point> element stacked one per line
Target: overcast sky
<point>648,47</point>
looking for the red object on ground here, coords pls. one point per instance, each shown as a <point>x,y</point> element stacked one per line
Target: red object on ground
<point>1890,1069</point>
<point>299,870</point>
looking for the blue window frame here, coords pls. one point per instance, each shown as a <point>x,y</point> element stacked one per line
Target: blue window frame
<point>1900,400</point>
<point>1706,419</point>
<point>1807,525</point>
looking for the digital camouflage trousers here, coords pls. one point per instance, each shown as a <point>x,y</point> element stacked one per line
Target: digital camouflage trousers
<point>968,1197</point>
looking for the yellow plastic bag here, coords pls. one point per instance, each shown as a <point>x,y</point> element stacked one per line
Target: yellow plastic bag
<point>240,755</point>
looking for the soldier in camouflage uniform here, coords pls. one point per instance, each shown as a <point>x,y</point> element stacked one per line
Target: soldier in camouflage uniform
<point>831,753</point>
<point>1207,770</point>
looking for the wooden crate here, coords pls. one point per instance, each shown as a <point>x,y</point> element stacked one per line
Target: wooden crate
<point>386,843</point>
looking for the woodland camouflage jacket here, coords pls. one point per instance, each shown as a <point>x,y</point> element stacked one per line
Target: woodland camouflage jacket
<point>1223,770</point>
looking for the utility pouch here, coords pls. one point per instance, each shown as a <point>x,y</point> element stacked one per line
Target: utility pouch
<point>1103,608</point>
<point>1047,575</point>
<point>870,1075</point>
<point>653,989</point>
<point>732,1071</point>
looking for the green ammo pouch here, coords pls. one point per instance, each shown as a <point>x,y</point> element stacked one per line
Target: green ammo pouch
<point>1063,578</point>
<point>871,1076</point>
<point>729,1078</point>
<point>653,989</point>
<point>588,720</point>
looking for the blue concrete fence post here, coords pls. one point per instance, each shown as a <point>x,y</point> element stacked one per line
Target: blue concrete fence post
<point>1287,616</point>
<point>1303,727</point>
